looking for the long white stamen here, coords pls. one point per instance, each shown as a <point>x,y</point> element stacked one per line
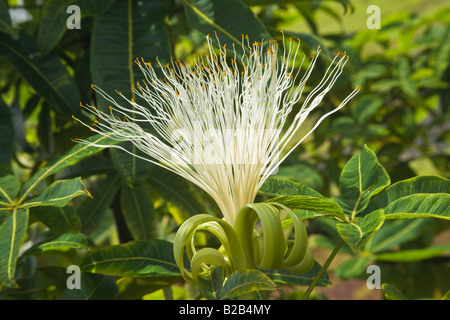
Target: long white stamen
<point>220,125</point>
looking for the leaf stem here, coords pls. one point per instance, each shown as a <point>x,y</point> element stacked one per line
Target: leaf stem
<point>323,269</point>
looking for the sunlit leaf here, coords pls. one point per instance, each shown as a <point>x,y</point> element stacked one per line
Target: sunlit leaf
<point>362,177</point>
<point>62,242</point>
<point>358,233</point>
<point>315,204</point>
<point>423,205</point>
<point>58,194</point>
<point>421,184</point>
<point>284,187</point>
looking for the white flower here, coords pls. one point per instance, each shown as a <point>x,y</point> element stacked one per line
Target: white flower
<point>223,122</point>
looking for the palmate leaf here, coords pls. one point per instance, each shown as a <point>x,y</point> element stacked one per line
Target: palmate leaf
<point>12,234</point>
<point>47,75</point>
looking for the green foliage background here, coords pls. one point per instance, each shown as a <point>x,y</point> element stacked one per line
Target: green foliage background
<point>65,204</point>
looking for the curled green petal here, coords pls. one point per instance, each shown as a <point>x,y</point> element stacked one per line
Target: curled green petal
<point>300,243</point>
<point>304,265</point>
<point>206,257</point>
<point>272,245</point>
<point>184,239</point>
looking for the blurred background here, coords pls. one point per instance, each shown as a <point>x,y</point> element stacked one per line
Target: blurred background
<point>399,52</point>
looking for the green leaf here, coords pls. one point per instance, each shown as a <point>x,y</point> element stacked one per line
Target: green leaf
<point>71,157</point>
<point>133,259</point>
<point>362,177</point>
<point>358,233</point>
<point>62,242</point>
<point>6,134</point>
<point>12,234</point>
<point>396,232</point>
<point>9,188</point>
<point>301,173</point>
<point>366,107</point>
<point>210,284</point>
<point>5,19</point>
<point>176,190</point>
<point>93,287</point>
<point>413,254</point>
<point>245,281</point>
<point>58,219</point>
<point>47,75</point>
<point>230,19</point>
<point>282,276</point>
<point>446,296</point>
<point>93,210</point>
<point>282,187</point>
<point>316,204</point>
<point>420,184</point>
<point>423,205</point>
<point>138,211</point>
<point>126,31</point>
<point>94,165</point>
<point>392,293</point>
<point>133,288</point>
<point>353,267</point>
<point>54,18</point>
<point>58,194</point>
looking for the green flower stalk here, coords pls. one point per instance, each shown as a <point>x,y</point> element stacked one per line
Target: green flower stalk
<point>225,124</point>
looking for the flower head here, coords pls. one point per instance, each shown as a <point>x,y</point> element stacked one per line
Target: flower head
<point>221,123</point>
